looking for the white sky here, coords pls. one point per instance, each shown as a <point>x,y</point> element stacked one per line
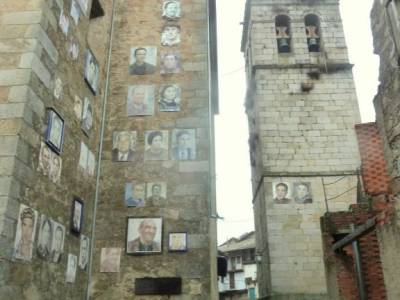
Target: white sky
<point>234,192</point>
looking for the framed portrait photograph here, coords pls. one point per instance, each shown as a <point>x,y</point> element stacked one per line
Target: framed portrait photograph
<point>156,147</point>
<point>177,242</point>
<point>87,116</point>
<point>84,252</point>
<point>184,144</point>
<point>281,192</point>
<point>156,194</point>
<point>92,71</point>
<point>171,9</point>
<point>135,193</point>
<point>170,63</point>
<point>124,145</point>
<point>75,11</point>
<point>78,105</point>
<point>140,100</point>
<point>64,23</point>
<point>170,98</point>
<point>45,237</point>
<point>91,163</point>
<point>45,159</point>
<point>302,192</point>
<point>25,234</point>
<point>143,60</point>
<point>171,35</point>
<point>55,131</point>
<point>57,245</point>
<point>110,260</point>
<point>71,268</point>
<point>144,235</point>
<point>55,168</point>
<point>77,215</point>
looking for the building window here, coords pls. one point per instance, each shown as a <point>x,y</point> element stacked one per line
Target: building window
<point>393,12</point>
<point>313,32</point>
<point>282,27</point>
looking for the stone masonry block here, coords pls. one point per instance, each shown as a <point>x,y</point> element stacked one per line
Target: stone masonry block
<point>194,166</point>
<point>26,94</point>
<point>8,145</point>
<point>18,45</point>
<point>30,60</point>
<point>36,31</point>
<point>11,110</point>
<point>14,77</point>
<point>22,17</point>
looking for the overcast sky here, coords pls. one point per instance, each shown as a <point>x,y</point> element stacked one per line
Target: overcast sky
<point>234,193</point>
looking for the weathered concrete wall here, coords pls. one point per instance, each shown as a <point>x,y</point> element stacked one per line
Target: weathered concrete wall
<point>187,206</point>
<point>302,108</point>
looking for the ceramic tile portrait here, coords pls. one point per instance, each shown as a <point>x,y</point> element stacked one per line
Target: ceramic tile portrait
<point>55,131</point>
<point>143,60</point>
<point>58,88</point>
<point>25,233</point>
<point>170,98</point>
<point>110,260</point>
<point>71,268</point>
<point>281,192</point>
<point>156,147</point>
<point>156,194</point>
<point>171,35</point>
<point>84,252</point>
<point>87,116</point>
<point>144,235</point>
<point>170,63</point>
<point>45,237</point>
<point>183,144</point>
<point>92,71</point>
<point>302,192</point>
<point>135,193</point>
<point>57,245</point>
<point>171,9</point>
<point>124,145</point>
<point>140,100</point>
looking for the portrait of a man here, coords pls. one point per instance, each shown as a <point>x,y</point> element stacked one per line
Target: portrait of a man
<point>124,145</point>
<point>57,246</point>
<point>87,116</point>
<point>143,60</point>
<point>45,157</point>
<point>45,237</point>
<point>25,234</point>
<point>170,98</point>
<point>156,193</point>
<point>171,9</point>
<point>78,107</point>
<point>135,194</point>
<point>281,193</point>
<point>71,268</point>
<point>55,168</point>
<point>302,193</point>
<point>110,260</point>
<point>64,23</point>
<point>144,235</point>
<point>170,63</point>
<point>84,252</point>
<point>156,145</point>
<point>92,71</point>
<point>184,144</point>
<point>75,12</point>
<point>55,131</point>
<point>140,100</point>
<point>58,88</point>
<point>77,215</point>
<point>171,35</point>
<point>177,241</point>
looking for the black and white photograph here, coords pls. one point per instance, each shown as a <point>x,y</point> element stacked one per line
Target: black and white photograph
<point>302,192</point>
<point>57,246</point>
<point>156,194</point>
<point>77,215</point>
<point>25,234</point>
<point>143,60</point>
<point>75,11</point>
<point>110,260</point>
<point>73,48</point>
<point>78,105</point>
<point>135,193</point>
<point>144,235</point>
<point>57,88</point>
<point>55,131</point>
<point>50,164</point>
<point>170,63</point>
<point>156,147</point>
<point>55,168</point>
<point>124,145</point>
<point>87,116</point>
<point>71,268</point>
<point>177,242</point>
<point>45,237</point>
<point>64,23</point>
<point>84,252</point>
<point>170,98</point>
<point>140,100</point>
<point>184,144</point>
<point>171,9</point>
<point>171,35</point>
<point>92,71</point>
<point>281,192</point>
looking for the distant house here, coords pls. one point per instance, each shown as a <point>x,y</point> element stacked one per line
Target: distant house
<point>241,280</point>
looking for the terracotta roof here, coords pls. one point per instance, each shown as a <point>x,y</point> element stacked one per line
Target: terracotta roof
<point>374,174</point>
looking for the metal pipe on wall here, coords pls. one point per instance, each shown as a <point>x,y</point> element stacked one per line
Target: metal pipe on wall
<point>358,265</point>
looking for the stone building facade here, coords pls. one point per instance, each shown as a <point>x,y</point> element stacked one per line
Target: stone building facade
<point>302,107</point>
<point>45,68</point>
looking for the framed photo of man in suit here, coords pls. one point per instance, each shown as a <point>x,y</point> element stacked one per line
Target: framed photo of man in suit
<point>143,60</point>
<point>144,235</point>
<point>77,215</point>
<point>140,100</point>
<point>124,145</point>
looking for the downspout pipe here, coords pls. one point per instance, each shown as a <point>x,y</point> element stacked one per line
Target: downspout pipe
<point>100,149</point>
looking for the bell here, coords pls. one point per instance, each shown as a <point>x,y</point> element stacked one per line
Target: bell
<point>313,45</point>
<point>283,45</point>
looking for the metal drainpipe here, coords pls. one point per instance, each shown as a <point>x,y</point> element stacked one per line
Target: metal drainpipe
<point>99,157</point>
<point>357,258</point>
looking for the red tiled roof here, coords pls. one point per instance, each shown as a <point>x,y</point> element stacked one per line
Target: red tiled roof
<point>374,174</point>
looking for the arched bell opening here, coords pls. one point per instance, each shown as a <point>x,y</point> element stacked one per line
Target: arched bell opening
<point>313,32</point>
<point>282,27</point>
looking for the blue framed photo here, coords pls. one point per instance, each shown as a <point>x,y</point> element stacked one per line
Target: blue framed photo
<point>55,131</point>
